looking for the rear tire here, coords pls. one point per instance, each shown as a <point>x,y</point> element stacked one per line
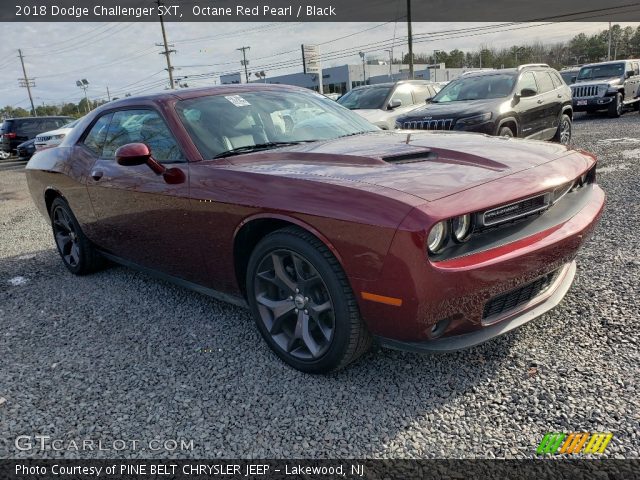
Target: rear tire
<point>506,132</point>
<point>77,252</point>
<point>615,107</point>
<point>303,304</point>
<point>563,134</point>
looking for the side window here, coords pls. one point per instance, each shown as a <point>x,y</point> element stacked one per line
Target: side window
<point>141,126</point>
<point>94,140</point>
<point>527,81</point>
<point>557,80</point>
<point>403,93</point>
<point>544,82</point>
<point>422,92</point>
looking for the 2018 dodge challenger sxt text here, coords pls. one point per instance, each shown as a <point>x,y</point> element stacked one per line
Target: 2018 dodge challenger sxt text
<point>333,232</point>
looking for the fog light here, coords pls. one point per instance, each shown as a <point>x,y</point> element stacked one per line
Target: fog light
<point>439,328</point>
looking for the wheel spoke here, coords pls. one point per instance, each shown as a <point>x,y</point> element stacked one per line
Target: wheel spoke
<point>279,310</point>
<point>63,242</point>
<point>307,338</point>
<point>318,309</point>
<point>281,275</point>
<point>75,254</point>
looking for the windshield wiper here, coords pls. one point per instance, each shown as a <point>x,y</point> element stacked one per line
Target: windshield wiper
<point>354,133</point>
<point>257,147</point>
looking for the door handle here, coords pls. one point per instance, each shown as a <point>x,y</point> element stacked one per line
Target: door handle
<point>96,175</point>
<point>559,95</point>
<point>540,102</point>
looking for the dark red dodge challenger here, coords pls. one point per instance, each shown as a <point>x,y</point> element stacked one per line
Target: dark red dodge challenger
<point>333,232</point>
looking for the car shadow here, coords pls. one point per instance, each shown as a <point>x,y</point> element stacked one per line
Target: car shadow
<point>119,355</point>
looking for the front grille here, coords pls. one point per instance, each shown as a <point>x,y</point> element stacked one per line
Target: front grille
<point>586,91</point>
<point>512,211</point>
<point>43,139</point>
<point>438,124</point>
<point>519,296</point>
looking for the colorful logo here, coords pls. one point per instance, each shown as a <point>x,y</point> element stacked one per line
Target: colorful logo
<point>578,442</point>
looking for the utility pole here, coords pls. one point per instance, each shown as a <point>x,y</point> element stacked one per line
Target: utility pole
<point>609,54</point>
<point>409,34</point>
<point>108,94</point>
<point>364,72</point>
<point>166,51</point>
<point>390,61</point>
<point>27,82</point>
<point>244,61</point>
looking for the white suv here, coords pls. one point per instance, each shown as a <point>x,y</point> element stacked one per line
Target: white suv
<point>53,138</point>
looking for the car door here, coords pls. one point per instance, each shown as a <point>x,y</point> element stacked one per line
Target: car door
<point>633,82</point>
<point>529,109</point>
<point>551,103</point>
<point>139,216</point>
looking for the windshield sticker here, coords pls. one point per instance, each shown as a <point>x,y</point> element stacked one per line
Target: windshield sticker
<point>237,100</point>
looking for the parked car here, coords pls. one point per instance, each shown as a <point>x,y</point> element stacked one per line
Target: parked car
<point>383,103</point>
<point>26,149</point>
<point>54,137</point>
<point>333,236</point>
<point>14,131</point>
<point>610,86</point>
<point>569,74</point>
<point>531,101</point>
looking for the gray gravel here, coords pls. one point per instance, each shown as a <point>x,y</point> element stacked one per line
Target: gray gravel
<point>119,355</point>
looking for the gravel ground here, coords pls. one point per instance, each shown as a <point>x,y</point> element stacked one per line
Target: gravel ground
<point>119,355</point>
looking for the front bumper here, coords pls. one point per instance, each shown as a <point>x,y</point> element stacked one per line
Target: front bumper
<point>458,292</point>
<point>591,103</point>
<point>507,322</point>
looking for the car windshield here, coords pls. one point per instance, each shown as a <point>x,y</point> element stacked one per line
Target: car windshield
<point>477,87</point>
<point>367,98</point>
<point>70,124</point>
<point>601,71</point>
<point>223,125</point>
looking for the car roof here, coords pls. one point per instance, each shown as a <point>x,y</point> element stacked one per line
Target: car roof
<point>37,118</point>
<point>611,62</point>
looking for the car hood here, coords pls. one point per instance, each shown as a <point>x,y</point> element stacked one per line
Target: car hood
<point>59,131</point>
<point>454,109</point>
<point>430,166</point>
<point>599,81</point>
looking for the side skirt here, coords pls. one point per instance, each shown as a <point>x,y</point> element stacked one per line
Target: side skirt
<point>209,292</point>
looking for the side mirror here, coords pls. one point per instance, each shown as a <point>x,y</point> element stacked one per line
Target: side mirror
<point>630,74</point>
<point>133,154</point>
<point>428,99</point>
<point>528,92</point>
<point>395,103</point>
<point>573,80</point>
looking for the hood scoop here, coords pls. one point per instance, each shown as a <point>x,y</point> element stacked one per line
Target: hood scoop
<point>413,157</point>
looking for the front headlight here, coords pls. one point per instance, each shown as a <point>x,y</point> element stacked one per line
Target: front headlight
<point>436,237</point>
<point>57,137</point>
<point>398,124</point>
<point>485,117</point>
<point>461,227</point>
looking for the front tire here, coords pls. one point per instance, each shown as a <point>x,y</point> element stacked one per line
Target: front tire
<point>303,304</point>
<point>506,132</point>
<point>563,134</point>
<point>77,252</point>
<point>615,107</point>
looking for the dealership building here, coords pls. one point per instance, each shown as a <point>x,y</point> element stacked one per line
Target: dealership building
<point>341,79</point>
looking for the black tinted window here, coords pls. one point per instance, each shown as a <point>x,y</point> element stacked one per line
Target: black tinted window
<point>94,140</point>
<point>28,127</point>
<point>142,126</point>
<point>544,82</point>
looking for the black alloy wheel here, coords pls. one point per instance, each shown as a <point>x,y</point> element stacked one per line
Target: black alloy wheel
<point>77,252</point>
<point>303,304</point>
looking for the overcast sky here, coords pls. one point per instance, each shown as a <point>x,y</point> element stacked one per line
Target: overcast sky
<point>124,56</point>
